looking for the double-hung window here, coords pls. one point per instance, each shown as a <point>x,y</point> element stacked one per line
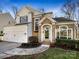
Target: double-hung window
<point>23,19</point>
<point>36,24</point>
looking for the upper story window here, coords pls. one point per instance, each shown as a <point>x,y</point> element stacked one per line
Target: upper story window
<point>36,24</point>
<point>23,19</point>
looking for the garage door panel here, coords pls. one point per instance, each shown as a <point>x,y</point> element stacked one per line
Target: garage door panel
<point>16,34</point>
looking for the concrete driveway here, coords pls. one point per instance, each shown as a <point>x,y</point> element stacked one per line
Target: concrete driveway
<point>5,46</point>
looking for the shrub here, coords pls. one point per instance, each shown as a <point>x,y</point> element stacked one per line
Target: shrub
<point>67,44</point>
<point>1,33</point>
<point>33,42</point>
<point>33,39</point>
<point>63,38</point>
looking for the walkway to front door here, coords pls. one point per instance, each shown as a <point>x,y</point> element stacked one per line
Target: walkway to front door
<point>28,51</point>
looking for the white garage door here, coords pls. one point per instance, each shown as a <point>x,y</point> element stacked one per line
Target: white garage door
<point>16,34</point>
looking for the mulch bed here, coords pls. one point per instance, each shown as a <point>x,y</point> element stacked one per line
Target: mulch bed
<point>1,41</point>
<point>29,45</point>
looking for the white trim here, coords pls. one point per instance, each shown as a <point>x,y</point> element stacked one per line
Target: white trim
<point>55,33</point>
<point>65,23</point>
<point>60,30</point>
<point>71,35</point>
<point>47,18</point>
<point>67,32</point>
<point>42,32</point>
<point>36,21</point>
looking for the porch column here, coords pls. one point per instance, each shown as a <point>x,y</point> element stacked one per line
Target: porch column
<point>39,34</point>
<point>42,33</point>
<point>59,32</point>
<point>67,32</point>
<point>72,33</point>
<point>55,33</point>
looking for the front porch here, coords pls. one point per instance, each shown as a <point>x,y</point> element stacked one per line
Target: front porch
<point>49,30</point>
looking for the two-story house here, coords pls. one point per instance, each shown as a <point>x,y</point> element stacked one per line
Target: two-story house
<point>31,22</point>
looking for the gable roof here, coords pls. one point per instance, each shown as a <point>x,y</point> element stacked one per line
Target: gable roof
<point>46,17</point>
<point>30,9</point>
<point>62,19</point>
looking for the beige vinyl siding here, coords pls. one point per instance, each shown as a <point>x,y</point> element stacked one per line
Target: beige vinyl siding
<point>6,20</point>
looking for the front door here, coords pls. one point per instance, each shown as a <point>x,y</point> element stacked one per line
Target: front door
<point>46,33</point>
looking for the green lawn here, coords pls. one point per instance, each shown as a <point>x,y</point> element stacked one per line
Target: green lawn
<point>51,53</point>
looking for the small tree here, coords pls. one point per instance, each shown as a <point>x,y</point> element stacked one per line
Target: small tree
<point>77,6</point>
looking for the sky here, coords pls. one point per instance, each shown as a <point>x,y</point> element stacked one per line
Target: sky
<point>48,5</point>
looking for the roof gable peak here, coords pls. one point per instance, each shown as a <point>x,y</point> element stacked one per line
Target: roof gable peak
<point>47,17</point>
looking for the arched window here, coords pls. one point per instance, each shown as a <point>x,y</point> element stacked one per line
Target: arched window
<point>63,31</point>
<point>46,31</point>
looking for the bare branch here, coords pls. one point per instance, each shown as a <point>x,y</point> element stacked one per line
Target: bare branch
<point>69,9</point>
<point>15,10</point>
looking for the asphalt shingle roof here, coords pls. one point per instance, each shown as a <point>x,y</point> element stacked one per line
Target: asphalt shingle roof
<point>62,19</point>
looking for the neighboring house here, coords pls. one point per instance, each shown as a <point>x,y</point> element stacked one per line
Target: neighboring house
<point>30,22</point>
<point>6,20</point>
